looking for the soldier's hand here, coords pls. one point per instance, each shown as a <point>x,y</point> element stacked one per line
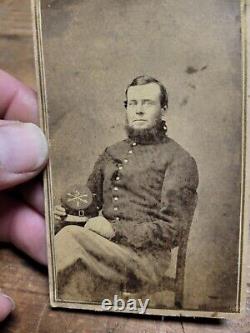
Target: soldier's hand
<point>59,213</point>
<point>101,226</point>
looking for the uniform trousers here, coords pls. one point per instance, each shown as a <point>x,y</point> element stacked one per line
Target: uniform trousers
<point>90,267</point>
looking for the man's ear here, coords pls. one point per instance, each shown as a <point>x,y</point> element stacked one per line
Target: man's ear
<point>164,109</point>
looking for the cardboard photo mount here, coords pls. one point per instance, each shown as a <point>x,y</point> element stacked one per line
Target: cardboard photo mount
<point>43,61</point>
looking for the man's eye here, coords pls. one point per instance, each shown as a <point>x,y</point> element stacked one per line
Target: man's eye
<point>148,103</point>
<point>131,103</point>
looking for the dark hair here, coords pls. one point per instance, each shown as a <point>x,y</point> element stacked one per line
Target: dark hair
<point>145,79</point>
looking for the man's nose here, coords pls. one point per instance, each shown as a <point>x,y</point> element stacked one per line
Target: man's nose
<point>139,109</point>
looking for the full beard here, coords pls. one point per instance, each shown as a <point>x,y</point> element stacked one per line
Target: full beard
<point>147,135</point>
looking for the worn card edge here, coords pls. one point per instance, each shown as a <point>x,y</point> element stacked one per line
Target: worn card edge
<point>43,120</point>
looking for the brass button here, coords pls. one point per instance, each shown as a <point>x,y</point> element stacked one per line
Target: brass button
<point>115,188</point>
<point>130,151</point>
<point>125,161</point>
<point>115,209</point>
<point>117,178</point>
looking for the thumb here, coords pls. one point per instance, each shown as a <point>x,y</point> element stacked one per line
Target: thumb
<point>23,152</point>
<point>6,306</point>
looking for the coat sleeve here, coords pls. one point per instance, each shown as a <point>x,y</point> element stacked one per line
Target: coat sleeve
<point>178,202</point>
<point>178,199</point>
<point>95,184</point>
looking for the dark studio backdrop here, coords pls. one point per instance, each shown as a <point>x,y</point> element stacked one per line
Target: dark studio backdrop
<point>94,48</point>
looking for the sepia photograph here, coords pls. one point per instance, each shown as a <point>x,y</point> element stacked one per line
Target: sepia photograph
<point>143,105</point>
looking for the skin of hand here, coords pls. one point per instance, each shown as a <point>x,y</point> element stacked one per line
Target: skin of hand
<point>23,155</point>
<point>59,213</point>
<point>101,226</point>
<point>61,216</point>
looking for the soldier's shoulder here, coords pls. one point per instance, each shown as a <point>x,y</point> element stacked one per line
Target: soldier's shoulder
<point>118,147</point>
<point>178,152</point>
<point>182,160</point>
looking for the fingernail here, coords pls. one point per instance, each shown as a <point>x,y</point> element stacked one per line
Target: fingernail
<point>10,300</point>
<point>23,147</point>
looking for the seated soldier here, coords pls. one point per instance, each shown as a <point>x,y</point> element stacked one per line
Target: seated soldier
<point>144,193</point>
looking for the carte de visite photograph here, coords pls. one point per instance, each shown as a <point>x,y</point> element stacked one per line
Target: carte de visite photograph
<point>143,105</point>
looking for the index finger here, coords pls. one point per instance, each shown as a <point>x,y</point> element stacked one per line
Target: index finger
<point>59,208</point>
<point>17,101</point>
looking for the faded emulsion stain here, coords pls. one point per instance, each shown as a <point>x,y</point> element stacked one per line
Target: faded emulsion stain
<point>184,101</point>
<point>58,4</point>
<point>191,85</point>
<point>213,297</point>
<point>203,68</point>
<point>58,15</point>
<point>193,70</point>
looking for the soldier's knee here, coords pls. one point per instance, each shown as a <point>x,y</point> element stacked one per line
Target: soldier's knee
<point>68,231</point>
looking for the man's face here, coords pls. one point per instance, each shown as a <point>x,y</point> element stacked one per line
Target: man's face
<point>143,106</point>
